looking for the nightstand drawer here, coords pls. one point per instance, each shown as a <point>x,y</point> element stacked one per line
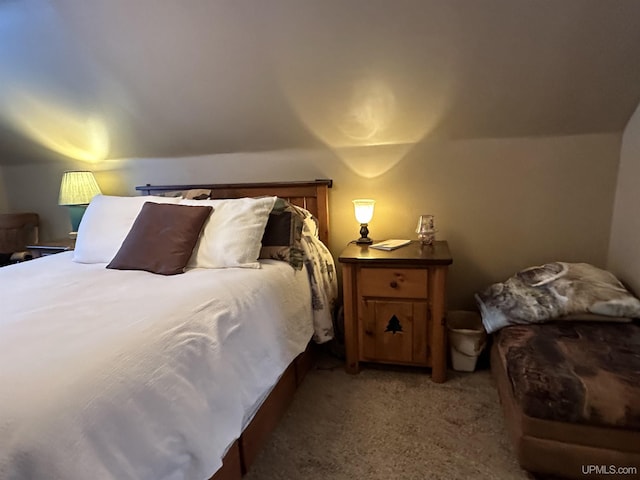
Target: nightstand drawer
<point>393,282</point>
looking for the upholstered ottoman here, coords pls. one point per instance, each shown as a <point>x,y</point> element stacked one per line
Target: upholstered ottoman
<point>570,392</point>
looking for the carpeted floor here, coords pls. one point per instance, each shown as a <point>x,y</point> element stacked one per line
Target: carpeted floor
<point>389,423</point>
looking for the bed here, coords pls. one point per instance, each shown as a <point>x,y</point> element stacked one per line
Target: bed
<point>566,360</point>
<point>166,376</point>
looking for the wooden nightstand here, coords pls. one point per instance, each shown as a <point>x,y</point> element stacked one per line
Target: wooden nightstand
<point>394,306</point>
<point>42,249</point>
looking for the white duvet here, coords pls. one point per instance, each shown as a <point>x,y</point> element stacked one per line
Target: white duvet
<point>108,374</point>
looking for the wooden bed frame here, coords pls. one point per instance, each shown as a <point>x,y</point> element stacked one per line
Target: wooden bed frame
<point>313,196</point>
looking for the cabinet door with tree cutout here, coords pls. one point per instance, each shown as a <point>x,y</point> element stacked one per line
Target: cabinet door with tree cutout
<point>394,331</point>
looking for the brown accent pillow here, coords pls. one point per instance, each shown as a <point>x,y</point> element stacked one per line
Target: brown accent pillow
<point>161,239</point>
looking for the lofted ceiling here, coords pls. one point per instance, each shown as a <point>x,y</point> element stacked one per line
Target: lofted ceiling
<point>96,79</point>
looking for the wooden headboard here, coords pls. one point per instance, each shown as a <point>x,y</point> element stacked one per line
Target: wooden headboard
<point>312,195</point>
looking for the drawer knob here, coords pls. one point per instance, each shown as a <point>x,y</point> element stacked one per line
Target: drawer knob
<point>393,284</point>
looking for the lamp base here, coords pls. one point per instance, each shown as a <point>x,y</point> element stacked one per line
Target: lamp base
<point>364,235</point>
<point>75,214</point>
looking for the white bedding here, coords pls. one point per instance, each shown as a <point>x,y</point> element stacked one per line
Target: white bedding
<point>130,375</point>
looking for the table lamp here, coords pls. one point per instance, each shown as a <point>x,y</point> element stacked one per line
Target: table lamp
<point>76,191</point>
<point>364,213</point>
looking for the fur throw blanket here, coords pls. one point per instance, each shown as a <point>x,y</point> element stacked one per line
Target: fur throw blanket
<point>556,291</point>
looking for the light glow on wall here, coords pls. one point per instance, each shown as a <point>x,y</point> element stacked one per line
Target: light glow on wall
<point>371,123</point>
<point>79,136</point>
<point>369,112</point>
<point>370,83</point>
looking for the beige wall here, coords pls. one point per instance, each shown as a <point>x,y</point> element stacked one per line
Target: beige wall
<point>624,254</point>
<point>502,204</point>
<point>146,78</point>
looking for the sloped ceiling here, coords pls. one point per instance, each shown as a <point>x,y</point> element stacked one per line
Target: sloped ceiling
<point>154,78</point>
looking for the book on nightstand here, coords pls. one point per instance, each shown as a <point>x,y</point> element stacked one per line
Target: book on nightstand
<point>391,244</point>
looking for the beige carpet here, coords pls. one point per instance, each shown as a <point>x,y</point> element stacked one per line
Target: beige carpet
<point>389,423</point>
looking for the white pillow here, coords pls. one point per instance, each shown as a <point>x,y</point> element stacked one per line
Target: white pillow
<point>232,236</point>
<point>105,225</point>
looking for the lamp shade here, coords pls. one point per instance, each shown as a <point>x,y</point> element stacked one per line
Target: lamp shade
<point>364,209</point>
<point>78,188</point>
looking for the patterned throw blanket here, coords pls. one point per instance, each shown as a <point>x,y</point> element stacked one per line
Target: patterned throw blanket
<point>556,291</point>
<point>322,276</point>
